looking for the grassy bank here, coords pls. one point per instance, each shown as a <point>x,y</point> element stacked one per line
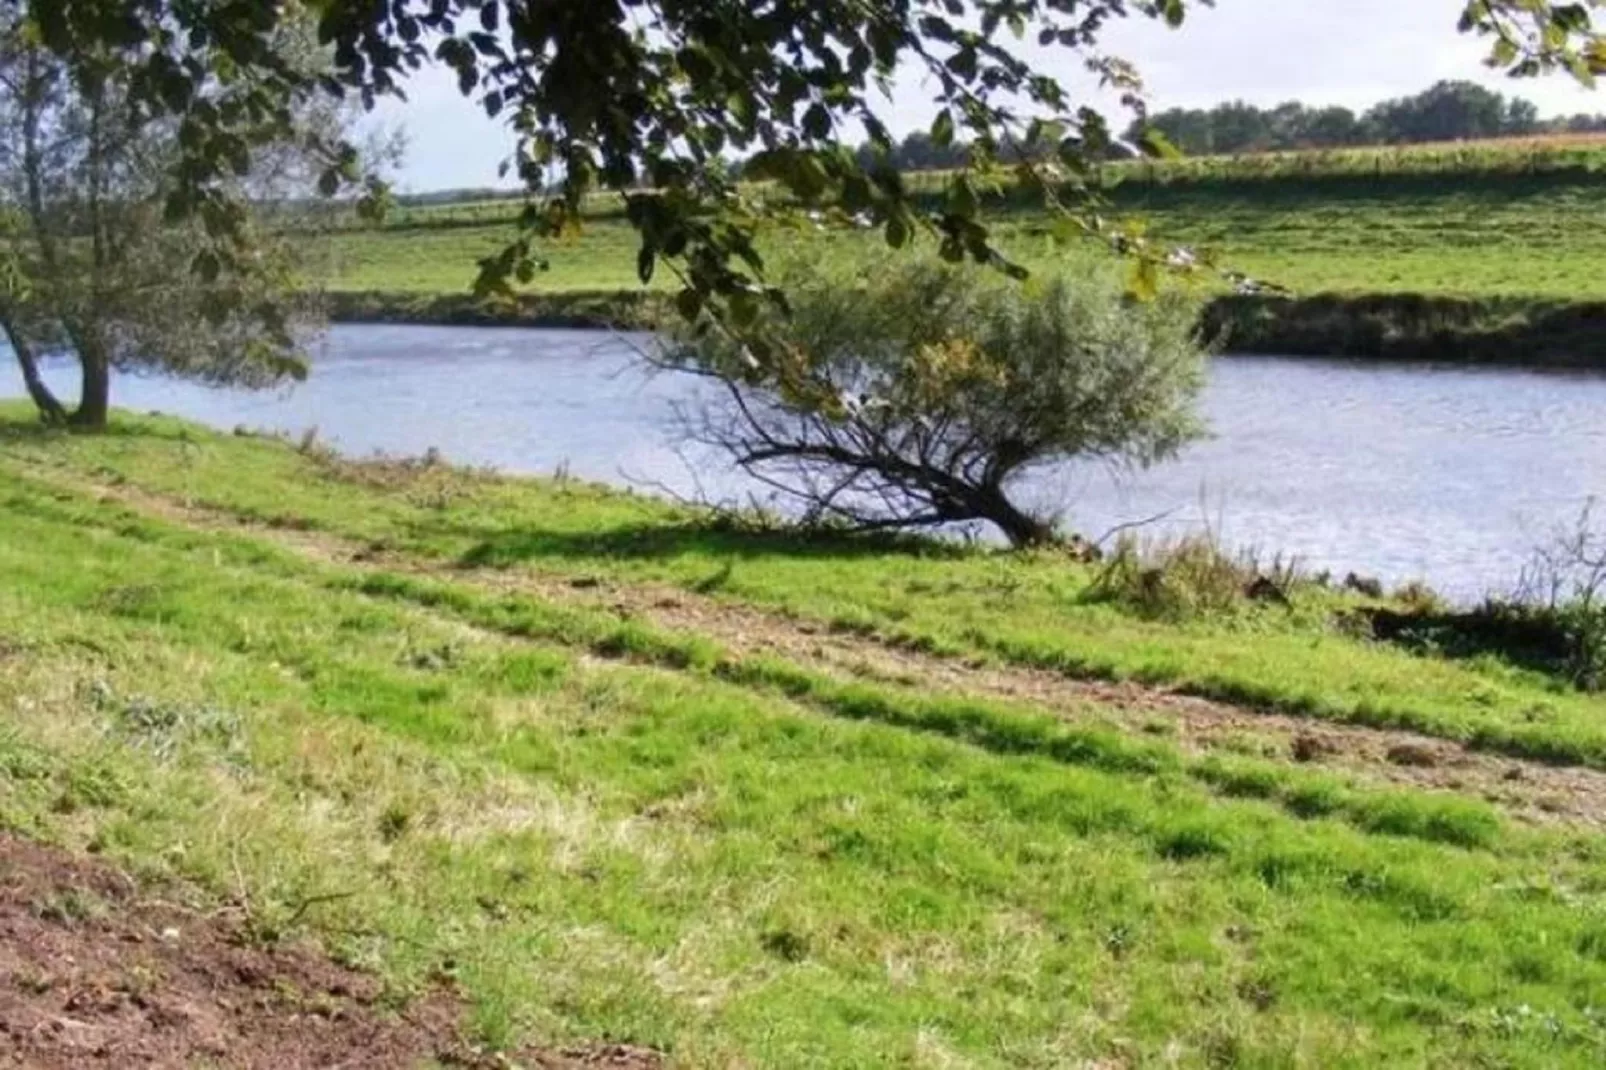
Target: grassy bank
<point>1022,610</point>
<point>371,706</point>
<point>1392,327</point>
<point>1412,256</point>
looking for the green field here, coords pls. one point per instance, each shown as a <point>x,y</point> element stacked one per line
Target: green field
<point>627,772</point>
<point>1426,221</point>
<point>1527,238</point>
<point>1467,253</point>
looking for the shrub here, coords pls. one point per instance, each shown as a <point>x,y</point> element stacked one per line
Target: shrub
<point>1554,621</point>
<point>1190,576</point>
<point>1564,586</point>
<point>915,393</point>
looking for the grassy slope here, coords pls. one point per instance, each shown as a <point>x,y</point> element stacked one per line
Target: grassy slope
<point>685,858</point>
<point>978,603</point>
<point>602,849</point>
<point>1472,235</point>
<point>1410,261</point>
<point>1517,236</point>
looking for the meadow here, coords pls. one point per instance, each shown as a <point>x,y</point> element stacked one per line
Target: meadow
<point>1469,253</point>
<point>1522,237</point>
<point>1469,221</point>
<point>603,769</point>
<point>626,771</point>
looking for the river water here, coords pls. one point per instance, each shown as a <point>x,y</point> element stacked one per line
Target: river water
<point>1404,472</point>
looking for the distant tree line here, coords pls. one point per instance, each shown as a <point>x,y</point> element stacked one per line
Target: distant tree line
<point>1449,111</point>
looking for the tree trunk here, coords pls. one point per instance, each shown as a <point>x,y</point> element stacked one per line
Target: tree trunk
<point>94,403</point>
<point>1019,527</point>
<point>50,409</point>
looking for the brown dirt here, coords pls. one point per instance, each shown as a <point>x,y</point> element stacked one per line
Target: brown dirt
<point>94,974</point>
<point>1532,791</point>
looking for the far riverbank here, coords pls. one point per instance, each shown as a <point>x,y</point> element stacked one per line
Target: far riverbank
<point>1498,331</point>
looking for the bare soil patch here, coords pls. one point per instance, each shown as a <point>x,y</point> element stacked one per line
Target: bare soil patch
<point>94,973</point>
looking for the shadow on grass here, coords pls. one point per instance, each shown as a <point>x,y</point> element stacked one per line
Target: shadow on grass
<point>1512,331</point>
<point>713,539</point>
<point>1537,641</point>
<point>20,423</point>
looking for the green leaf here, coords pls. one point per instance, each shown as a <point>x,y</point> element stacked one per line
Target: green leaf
<point>897,231</point>
<point>942,129</point>
<point>1143,281</point>
<point>962,199</point>
<point>963,64</point>
<point>1155,144</point>
<point>817,122</point>
<point>743,309</point>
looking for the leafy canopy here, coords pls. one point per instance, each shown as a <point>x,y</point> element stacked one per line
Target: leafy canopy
<point>932,390</point>
<point>652,97</point>
<point>89,266</point>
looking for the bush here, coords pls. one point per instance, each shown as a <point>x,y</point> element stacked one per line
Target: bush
<point>1554,621</point>
<point>914,393</point>
<point>1192,576</point>
<point>1565,587</point>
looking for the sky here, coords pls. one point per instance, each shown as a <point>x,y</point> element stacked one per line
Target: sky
<point>1350,52</point>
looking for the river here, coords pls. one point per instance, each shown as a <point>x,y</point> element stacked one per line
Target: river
<point>1450,475</point>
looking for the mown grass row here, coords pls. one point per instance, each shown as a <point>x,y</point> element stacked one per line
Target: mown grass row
<point>1570,157</point>
<point>1519,237</point>
<point>1029,610</point>
<point>999,727</point>
<point>700,861</point>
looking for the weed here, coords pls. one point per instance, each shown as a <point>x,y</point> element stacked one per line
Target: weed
<point>1190,577</point>
<point>1554,621</point>
<point>786,945</point>
<point>393,822</point>
<point>1191,842</point>
<point>71,907</point>
<point>165,728</point>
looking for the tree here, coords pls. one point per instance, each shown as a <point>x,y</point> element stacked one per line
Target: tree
<point>932,390</point>
<point>647,97</point>
<point>1239,127</point>
<point>1522,117</point>
<point>94,268</point>
<point>1448,111</point>
<point>1331,126</point>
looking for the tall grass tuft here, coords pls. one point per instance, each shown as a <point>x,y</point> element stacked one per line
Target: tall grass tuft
<point>1192,576</point>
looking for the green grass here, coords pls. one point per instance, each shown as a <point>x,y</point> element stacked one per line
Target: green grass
<point>1489,263</point>
<point>605,832</point>
<point>1472,236</point>
<point>1479,253</point>
<point>1477,221</point>
<point>1033,611</point>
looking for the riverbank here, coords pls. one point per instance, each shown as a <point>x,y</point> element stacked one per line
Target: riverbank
<point>1476,254</point>
<point>1389,327</point>
<point>612,771</point>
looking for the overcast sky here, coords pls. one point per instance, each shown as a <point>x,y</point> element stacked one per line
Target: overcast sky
<point>1352,52</point>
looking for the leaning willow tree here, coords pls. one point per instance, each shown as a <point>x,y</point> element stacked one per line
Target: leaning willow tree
<point>96,263</point>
